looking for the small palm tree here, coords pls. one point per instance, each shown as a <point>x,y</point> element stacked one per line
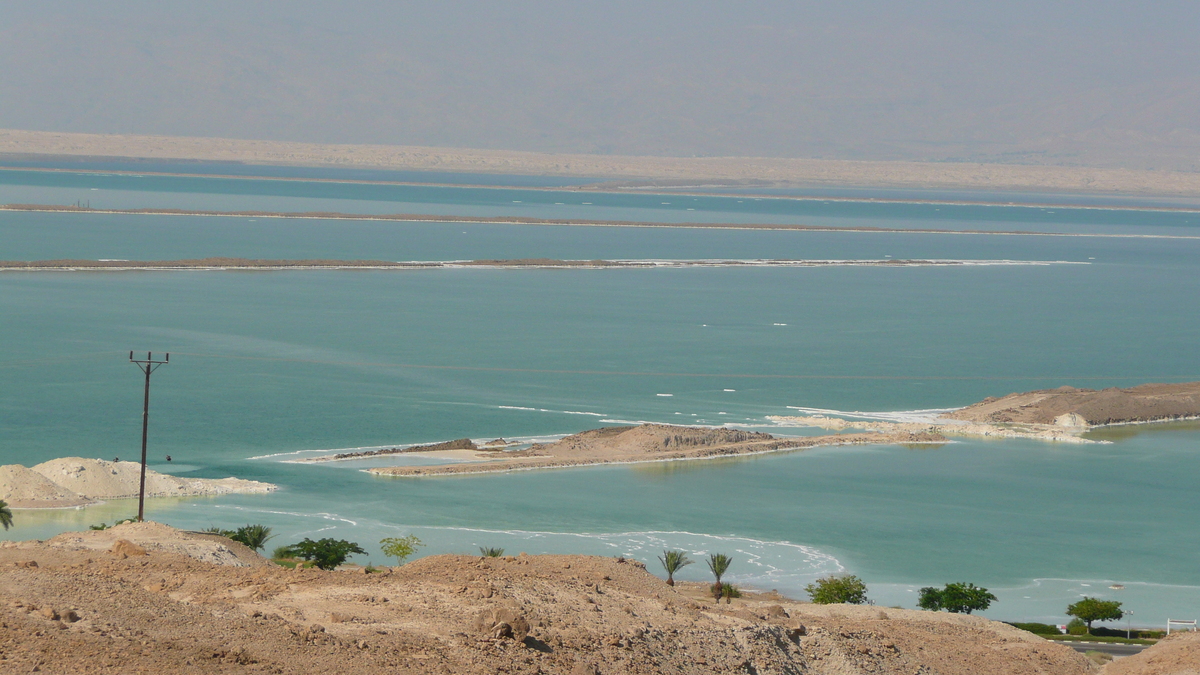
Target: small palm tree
<point>491,552</point>
<point>255,536</point>
<point>718,564</point>
<point>6,518</point>
<point>672,562</point>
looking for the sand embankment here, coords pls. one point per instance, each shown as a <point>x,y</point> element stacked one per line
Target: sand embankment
<point>76,481</point>
<point>1071,407</point>
<point>646,443</point>
<point>69,609</point>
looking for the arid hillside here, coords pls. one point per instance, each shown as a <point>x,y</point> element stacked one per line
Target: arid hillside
<point>138,598</point>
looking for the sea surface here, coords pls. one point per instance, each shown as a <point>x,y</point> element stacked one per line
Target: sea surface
<point>272,366</point>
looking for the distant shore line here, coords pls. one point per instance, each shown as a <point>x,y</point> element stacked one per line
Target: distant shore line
<point>693,189</point>
<point>233,264</point>
<point>516,220</point>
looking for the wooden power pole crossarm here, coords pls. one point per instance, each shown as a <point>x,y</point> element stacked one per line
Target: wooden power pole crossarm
<point>148,366</point>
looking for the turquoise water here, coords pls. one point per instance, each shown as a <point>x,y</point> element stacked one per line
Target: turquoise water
<point>267,365</point>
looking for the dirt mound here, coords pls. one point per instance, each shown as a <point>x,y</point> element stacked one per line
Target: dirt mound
<point>1179,654</point>
<point>1068,406</point>
<point>564,615</point>
<point>99,479</point>
<point>24,488</point>
<point>134,539</point>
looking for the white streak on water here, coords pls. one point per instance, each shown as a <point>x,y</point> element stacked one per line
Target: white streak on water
<point>922,416</point>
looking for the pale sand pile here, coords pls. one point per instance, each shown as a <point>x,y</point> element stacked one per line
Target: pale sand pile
<point>75,481</point>
<point>646,443</point>
<point>87,611</point>
<point>24,488</point>
<point>1068,406</point>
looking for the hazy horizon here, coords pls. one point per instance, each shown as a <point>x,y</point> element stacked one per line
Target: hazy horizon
<point>1094,84</point>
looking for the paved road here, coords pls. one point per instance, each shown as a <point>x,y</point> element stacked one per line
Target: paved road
<point>1106,647</point>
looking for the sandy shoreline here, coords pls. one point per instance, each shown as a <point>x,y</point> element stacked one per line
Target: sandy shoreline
<point>512,220</point>
<point>687,170</point>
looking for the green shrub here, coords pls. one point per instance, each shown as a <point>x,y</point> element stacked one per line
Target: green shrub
<point>326,553</point>
<point>1038,628</point>
<point>838,588</point>
<point>400,547</point>
<point>958,598</point>
<point>1077,627</point>
<point>283,553</point>
<point>491,552</point>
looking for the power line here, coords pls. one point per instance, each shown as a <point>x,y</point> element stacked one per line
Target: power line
<point>147,366</point>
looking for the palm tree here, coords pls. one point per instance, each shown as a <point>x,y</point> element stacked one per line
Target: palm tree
<point>491,552</point>
<point>254,536</point>
<point>5,515</point>
<point>718,564</point>
<point>672,562</point>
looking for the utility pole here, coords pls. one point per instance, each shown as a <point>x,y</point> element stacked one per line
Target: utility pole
<point>149,365</point>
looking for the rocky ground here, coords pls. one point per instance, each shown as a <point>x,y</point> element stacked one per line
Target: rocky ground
<point>136,598</point>
<point>1071,407</point>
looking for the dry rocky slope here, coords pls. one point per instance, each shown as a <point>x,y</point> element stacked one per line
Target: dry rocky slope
<point>1068,406</point>
<point>1178,654</point>
<point>76,481</point>
<point>136,598</point>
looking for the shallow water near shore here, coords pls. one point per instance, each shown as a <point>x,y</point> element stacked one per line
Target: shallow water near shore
<point>283,362</point>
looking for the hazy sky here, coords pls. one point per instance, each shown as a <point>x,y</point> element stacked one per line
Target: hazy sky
<point>1103,83</point>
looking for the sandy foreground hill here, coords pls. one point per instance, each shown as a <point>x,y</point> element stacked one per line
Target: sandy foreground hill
<point>147,598</point>
<point>76,481</point>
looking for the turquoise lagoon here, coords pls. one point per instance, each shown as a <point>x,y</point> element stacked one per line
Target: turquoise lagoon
<point>270,366</point>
